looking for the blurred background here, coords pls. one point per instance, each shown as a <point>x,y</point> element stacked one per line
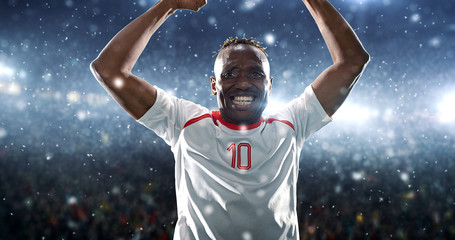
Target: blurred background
<point>74,165</point>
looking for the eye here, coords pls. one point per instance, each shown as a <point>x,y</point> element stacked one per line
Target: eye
<point>258,74</point>
<point>227,74</point>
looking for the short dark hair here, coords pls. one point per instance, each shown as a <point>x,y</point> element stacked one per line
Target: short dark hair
<point>248,41</point>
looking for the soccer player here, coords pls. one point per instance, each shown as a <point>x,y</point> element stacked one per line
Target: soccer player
<point>235,171</point>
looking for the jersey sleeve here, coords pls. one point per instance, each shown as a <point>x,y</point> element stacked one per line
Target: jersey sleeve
<point>169,114</point>
<point>307,115</point>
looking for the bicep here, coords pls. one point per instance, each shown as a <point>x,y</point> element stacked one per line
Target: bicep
<point>333,85</point>
<point>132,93</point>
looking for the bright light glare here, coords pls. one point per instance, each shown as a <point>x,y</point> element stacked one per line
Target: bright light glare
<point>357,176</point>
<point>269,38</point>
<point>73,97</point>
<point>250,4</point>
<point>7,71</point>
<point>354,113</point>
<point>72,200</point>
<point>14,89</point>
<point>404,177</point>
<point>118,83</point>
<point>273,106</point>
<point>447,109</point>
<point>81,115</point>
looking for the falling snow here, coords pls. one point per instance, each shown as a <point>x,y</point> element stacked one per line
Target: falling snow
<point>75,165</point>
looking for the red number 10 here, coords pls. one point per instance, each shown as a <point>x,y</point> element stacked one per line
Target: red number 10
<point>238,157</point>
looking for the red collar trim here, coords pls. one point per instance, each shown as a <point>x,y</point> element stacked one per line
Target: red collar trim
<point>216,115</point>
<point>271,120</point>
<point>194,120</point>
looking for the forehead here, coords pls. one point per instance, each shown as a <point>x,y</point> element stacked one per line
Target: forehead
<point>241,53</point>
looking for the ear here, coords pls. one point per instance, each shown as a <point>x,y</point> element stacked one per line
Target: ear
<point>270,85</point>
<point>213,84</point>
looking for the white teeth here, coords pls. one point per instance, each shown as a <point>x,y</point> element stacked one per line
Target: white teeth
<point>243,100</point>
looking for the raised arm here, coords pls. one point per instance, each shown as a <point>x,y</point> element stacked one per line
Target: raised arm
<point>349,57</point>
<point>112,68</point>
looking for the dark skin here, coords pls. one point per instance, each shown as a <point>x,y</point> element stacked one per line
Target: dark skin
<point>112,68</point>
<point>242,72</point>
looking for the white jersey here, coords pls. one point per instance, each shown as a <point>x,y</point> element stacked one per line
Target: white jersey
<point>232,181</point>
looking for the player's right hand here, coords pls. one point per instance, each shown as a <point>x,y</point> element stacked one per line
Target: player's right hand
<point>193,5</point>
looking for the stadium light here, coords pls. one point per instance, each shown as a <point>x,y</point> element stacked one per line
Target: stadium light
<point>14,89</point>
<point>6,71</point>
<point>354,113</point>
<point>447,109</point>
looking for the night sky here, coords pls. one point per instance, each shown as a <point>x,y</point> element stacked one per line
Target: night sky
<point>398,122</point>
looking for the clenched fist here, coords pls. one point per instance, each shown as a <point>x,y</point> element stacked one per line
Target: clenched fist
<point>193,5</point>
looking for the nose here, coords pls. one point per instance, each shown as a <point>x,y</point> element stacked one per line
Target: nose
<point>242,82</point>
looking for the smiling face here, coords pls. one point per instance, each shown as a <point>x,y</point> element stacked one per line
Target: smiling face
<point>242,83</point>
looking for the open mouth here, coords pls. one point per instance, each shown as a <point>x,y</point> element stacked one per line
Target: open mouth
<point>242,100</point>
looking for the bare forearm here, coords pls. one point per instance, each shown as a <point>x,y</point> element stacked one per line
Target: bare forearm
<point>113,66</point>
<point>341,40</point>
<point>122,52</point>
<point>333,85</point>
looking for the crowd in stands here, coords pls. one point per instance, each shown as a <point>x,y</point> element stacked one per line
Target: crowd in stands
<point>120,194</point>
